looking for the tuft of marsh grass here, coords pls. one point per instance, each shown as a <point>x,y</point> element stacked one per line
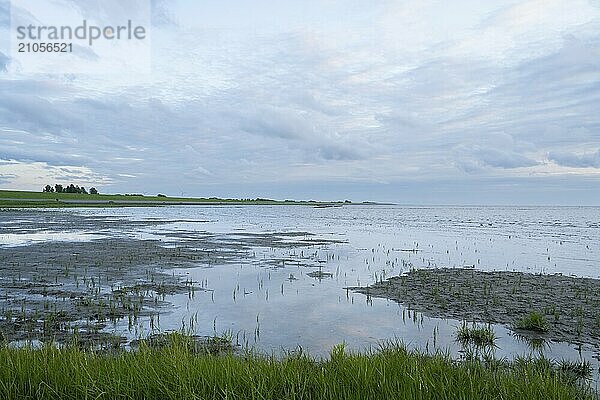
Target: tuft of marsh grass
<point>576,369</point>
<point>191,343</point>
<point>478,335</point>
<point>534,321</point>
<point>174,371</point>
<point>535,343</point>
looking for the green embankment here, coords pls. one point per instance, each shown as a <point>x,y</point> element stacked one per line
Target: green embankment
<point>175,372</point>
<point>25,199</point>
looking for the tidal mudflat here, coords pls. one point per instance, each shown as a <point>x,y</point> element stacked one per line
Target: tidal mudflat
<point>567,308</point>
<point>273,277</point>
<point>59,290</point>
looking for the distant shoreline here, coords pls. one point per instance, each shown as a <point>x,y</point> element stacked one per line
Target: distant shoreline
<point>27,199</point>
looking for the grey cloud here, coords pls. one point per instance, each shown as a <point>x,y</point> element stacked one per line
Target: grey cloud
<point>496,115</point>
<point>85,52</point>
<point>35,87</point>
<point>503,159</point>
<point>468,165</point>
<point>162,15</point>
<point>574,57</point>
<point>4,60</point>
<point>334,151</point>
<point>47,153</point>
<point>567,159</point>
<point>301,130</point>
<point>115,135</point>
<point>475,158</point>
<point>4,13</point>
<point>308,101</point>
<point>33,112</point>
<point>7,178</point>
<point>19,16</point>
<point>546,96</point>
<point>275,122</point>
<point>111,10</point>
<point>401,120</point>
<point>221,109</point>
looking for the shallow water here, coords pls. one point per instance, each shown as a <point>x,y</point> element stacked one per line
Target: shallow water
<point>268,301</point>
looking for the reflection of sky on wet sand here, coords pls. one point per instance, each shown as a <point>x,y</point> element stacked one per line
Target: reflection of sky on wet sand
<point>547,239</point>
<point>257,302</point>
<point>23,239</point>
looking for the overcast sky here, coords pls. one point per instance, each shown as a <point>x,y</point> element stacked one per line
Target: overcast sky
<point>443,102</point>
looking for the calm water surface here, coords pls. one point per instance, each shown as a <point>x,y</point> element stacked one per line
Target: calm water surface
<point>277,307</point>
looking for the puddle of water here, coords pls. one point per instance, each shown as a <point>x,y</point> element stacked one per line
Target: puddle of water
<point>24,239</point>
<point>21,344</point>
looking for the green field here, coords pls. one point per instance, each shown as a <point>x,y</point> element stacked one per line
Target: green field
<point>176,372</point>
<point>25,199</point>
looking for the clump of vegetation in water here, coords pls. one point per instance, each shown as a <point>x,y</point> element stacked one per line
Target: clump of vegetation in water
<point>478,335</point>
<point>176,371</point>
<point>576,369</point>
<point>534,321</point>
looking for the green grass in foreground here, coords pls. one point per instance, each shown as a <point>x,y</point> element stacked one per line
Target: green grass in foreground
<point>175,372</point>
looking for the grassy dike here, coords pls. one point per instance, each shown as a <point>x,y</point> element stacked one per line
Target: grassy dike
<point>25,199</point>
<point>176,371</point>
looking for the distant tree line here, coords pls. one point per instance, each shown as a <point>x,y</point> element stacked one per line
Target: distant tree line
<point>69,189</point>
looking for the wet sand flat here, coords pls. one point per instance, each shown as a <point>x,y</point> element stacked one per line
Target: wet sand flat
<point>571,305</point>
<point>62,290</point>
